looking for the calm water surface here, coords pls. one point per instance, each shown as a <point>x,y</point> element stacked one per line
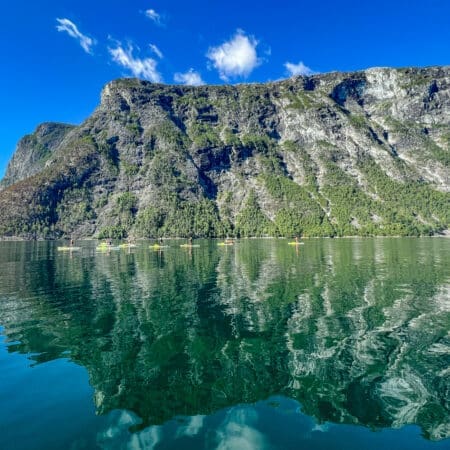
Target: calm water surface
<point>342,344</point>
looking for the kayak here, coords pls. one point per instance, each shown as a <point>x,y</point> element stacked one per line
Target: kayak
<point>69,249</point>
<point>222,244</point>
<point>296,243</point>
<point>106,248</point>
<point>189,245</point>
<point>157,246</point>
<point>127,245</point>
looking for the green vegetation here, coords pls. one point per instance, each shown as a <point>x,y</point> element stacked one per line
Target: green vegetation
<point>251,221</point>
<point>166,173</point>
<point>299,213</point>
<point>37,214</point>
<point>108,151</point>
<point>199,219</point>
<point>396,208</point>
<point>167,133</point>
<point>40,151</point>
<point>307,164</point>
<point>195,219</point>
<point>149,222</point>
<point>226,214</point>
<point>300,100</point>
<point>409,208</point>
<point>113,232</point>
<point>204,135</point>
<point>129,169</point>
<point>156,160</point>
<point>74,209</point>
<point>231,138</point>
<point>358,121</point>
<point>259,143</point>
<point>429,149</point>
<point>125,210</point>
<point>351,209</point>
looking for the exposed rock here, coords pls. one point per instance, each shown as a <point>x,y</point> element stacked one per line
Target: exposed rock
<point>33,151</point>
<point>334,154</point>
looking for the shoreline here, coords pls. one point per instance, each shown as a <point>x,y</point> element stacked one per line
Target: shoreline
<point>18,239</point>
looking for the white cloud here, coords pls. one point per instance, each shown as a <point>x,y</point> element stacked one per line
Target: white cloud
<point>153,15</point>
<point>238,430</point>
<point>192,427</point>
<point>190,77</point>
<point>72,30</point>
<point>236,57</point>
<point>156,50</point>
<point>298,69</point>
<point>141,68</point>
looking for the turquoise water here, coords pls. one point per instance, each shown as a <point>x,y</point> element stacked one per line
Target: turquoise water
<point>339,344</point>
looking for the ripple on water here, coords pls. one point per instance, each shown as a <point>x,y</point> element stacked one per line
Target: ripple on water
<point>184,348</point>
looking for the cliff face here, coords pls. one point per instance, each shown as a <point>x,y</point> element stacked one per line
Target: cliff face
<point>33,151</point>
<point>334,154</point>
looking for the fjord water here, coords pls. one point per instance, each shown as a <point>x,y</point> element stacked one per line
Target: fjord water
<point>335,344</point>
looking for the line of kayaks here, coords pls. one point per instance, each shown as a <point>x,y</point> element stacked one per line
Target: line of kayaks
<point>104,247</point>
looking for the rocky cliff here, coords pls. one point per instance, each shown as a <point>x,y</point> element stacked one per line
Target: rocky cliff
<point>33,151</point>
<point>364,153</point>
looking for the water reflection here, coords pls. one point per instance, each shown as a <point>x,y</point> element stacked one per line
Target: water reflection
<point>356,331</point>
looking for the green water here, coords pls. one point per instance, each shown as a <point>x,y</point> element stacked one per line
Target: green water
<point>339,344</point>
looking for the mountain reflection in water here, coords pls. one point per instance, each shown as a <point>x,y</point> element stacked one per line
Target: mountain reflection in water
<point>356,331</point>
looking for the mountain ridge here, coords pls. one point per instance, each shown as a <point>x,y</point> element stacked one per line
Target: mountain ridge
<point>354,153</point>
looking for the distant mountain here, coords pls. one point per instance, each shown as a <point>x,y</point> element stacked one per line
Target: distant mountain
<point>33,150</point>
<point>363,153</point>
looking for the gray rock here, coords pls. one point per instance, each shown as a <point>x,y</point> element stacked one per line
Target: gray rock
<point>355,153</point>
<point>33,151</point>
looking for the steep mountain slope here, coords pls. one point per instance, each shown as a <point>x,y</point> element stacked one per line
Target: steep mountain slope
<point>335,154</point>
<point>33,151</point>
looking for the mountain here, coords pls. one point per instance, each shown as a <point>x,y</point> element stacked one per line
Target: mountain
<point>362,153</point>
<point>33,150</point>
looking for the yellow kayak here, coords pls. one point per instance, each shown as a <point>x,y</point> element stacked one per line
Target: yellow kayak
<point>222,244</point>
<point>106,248</point>
<point>157,246</point>
<point>127,245</point>
<point>69,249</point>
<point>295,243</point>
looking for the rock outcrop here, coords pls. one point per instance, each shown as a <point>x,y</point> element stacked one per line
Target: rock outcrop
<point>33,151</point>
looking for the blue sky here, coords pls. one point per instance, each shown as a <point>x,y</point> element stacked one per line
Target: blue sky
<point>57,55</point>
